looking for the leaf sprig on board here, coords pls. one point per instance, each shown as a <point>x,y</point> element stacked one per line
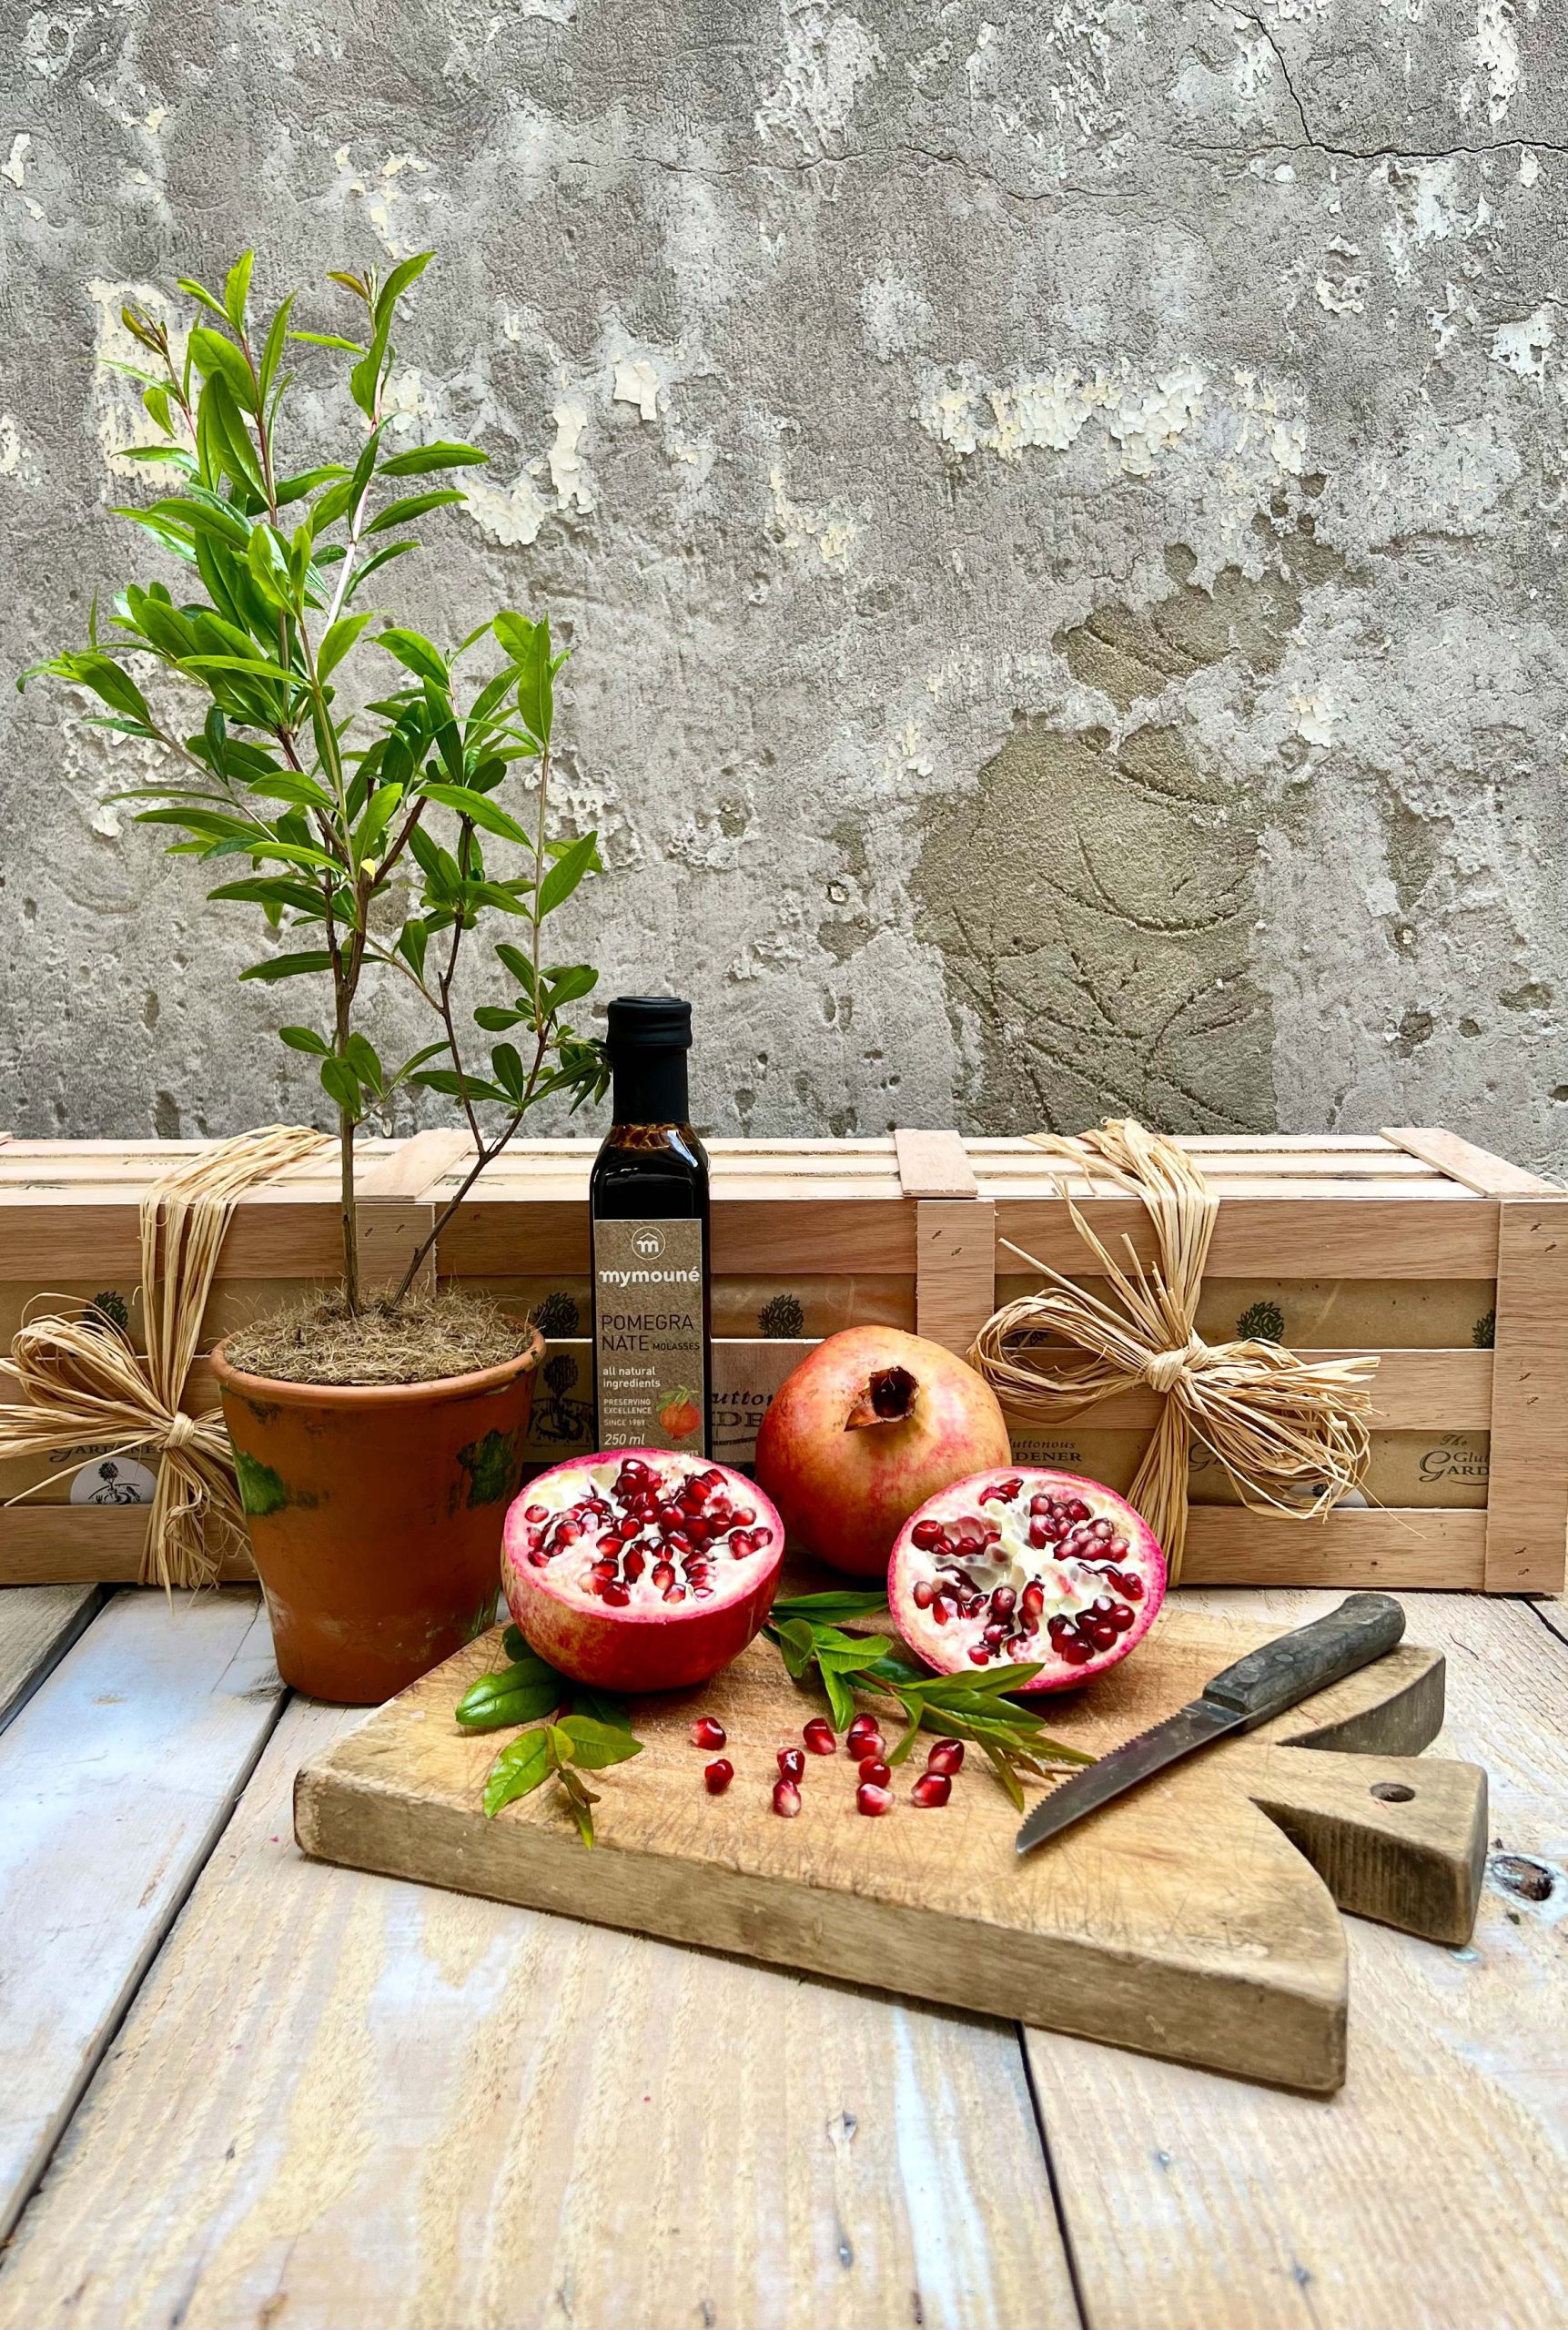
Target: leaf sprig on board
<point>588,1730</point>
<point>808,1633</point>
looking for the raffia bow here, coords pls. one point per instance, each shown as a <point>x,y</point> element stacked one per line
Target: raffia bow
<point>1290,1433</point>
<point>83,1382</point>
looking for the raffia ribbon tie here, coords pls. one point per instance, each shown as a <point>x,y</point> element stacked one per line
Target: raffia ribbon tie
<point>1290,1433</point>
<point>1163,1369</point>
<point>84,1384</point>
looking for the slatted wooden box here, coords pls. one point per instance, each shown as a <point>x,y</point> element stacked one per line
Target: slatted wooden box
<point>1451,1263</point>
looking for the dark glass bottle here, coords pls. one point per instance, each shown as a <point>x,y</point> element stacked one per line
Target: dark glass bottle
<point>648,1207</point>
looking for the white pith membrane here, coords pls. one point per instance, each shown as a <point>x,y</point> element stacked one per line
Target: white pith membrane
<point>647,1531</point>
<point>1025,1564</point>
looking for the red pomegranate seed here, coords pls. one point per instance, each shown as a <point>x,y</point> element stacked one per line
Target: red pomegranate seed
<point>1132,1587</point>
<point>635,1564</point>
<point>536,1513</point>
<point>818,1736</point>
<point>947,1756</point>
<point>1003,1602</point>
<point>674,1593</point>
<point>708,1732</point>
<point>979,1656</point>
<point>663,1575</point>
<point>717,1777</point>
<point>615,1595</point>
<point>1074,1653</point>
<point>786,1799</point>
<point>926,1534</point>
<point>923,1593</point>
<point>873,1769</point>
<point>1122,1617</point>
<point>873,1800</point>
<point>932,1789</point>
<point>792,1763</point>
<point>941,1610</point>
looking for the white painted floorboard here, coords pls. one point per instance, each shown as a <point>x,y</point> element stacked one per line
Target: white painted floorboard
<point>116,1778</point>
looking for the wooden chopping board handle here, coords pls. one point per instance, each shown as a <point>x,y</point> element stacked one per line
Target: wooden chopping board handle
<point>1398,1839</point>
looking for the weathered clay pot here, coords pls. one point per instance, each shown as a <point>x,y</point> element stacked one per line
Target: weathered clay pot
<point>375,1515</point>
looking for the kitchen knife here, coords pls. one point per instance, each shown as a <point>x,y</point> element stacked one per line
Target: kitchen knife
<point>1264,1684</point>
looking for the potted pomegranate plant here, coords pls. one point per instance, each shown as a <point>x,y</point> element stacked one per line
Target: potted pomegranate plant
<point>352,778</point>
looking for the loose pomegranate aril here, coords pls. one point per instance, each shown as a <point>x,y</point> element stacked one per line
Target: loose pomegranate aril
<point>873,1800</point>
<point>873,1769</point>
<point>792,1763</point>
<point>864,1742</point>
<point>818,1735</point>
<point>786,1799</point>
<point>947,1756</point>
<point>716,1777</point>
<point>932,1789</point>
<point>708,1732</point>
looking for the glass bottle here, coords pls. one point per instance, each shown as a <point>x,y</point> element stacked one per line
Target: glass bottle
<point>648,1204</point>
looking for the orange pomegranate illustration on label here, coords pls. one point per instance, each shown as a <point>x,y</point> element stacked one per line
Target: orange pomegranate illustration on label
<point>680,1416</point>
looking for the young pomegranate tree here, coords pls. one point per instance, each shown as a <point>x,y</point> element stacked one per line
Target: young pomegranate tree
<point>360,774</point>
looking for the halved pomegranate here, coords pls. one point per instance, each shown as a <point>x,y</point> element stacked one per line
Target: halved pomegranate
<point>640,1571</point>
<point>1022,1564</point>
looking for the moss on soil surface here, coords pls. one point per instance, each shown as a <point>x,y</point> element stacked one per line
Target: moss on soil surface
<point>427,1337</point>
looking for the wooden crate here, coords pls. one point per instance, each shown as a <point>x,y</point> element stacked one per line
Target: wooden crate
<point>1418,1240</point>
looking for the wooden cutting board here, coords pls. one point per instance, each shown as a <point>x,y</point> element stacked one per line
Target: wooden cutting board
<point>1194,1919</point>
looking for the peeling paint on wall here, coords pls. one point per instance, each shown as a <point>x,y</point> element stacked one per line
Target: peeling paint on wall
<point>1060,515</point>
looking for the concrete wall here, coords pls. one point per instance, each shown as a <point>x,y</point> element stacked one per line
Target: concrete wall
<point>1059,508</point>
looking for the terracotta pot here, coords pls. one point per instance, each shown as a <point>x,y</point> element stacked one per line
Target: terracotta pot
<point>375,1514</point>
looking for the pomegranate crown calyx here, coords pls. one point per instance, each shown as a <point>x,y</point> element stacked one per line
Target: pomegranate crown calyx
<point>888,1396</point>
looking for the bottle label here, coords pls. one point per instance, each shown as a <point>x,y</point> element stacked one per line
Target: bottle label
<point>651,1381</point>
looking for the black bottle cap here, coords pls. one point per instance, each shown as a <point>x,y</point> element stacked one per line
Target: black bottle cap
<point>648,1023</point>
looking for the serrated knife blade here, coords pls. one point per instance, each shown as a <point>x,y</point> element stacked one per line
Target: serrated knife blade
<point>1265,1683</point>
<point>1124,1766</point>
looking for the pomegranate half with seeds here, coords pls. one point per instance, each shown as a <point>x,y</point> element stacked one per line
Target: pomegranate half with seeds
<point>643,1570</point>
<point>1024,1564</point>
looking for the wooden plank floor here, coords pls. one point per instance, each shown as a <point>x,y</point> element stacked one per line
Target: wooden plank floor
<point>333,2102</point>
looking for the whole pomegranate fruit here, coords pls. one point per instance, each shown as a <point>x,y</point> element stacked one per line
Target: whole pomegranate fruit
<point>870,1424</point>
<point>1021,1563</point>
<point>640,1571</point>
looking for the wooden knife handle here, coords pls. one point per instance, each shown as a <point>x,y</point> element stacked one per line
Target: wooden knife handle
<point>1268,1681</point>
